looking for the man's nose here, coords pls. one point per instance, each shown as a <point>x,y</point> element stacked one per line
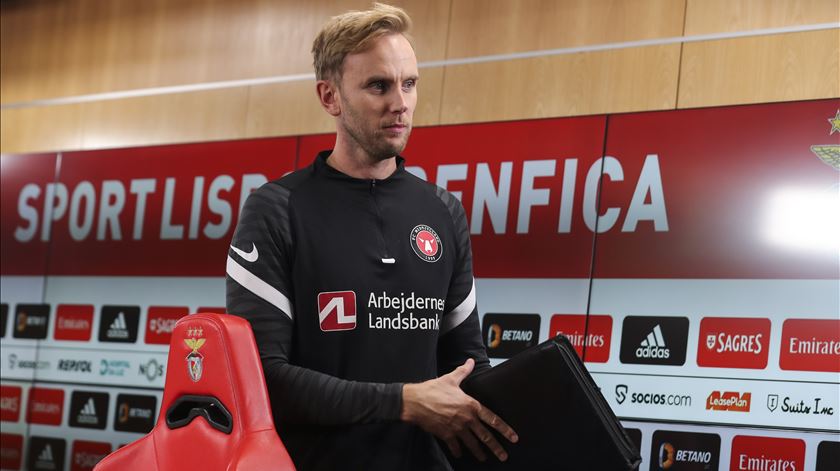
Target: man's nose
<point>399,102</point>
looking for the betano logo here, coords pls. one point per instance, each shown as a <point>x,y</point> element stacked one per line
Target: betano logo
<point>494,336</point>
<point>729,401</point>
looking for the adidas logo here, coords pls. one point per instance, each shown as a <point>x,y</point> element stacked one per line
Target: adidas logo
<point>118,329</point>
<point>653,346</point>
<point>45,459</point>
<point>88,413</point>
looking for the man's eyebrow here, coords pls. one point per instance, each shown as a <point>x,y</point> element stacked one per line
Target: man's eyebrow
<point>378,78</point>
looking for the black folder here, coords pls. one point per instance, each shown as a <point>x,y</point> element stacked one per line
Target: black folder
<point>560,415</point>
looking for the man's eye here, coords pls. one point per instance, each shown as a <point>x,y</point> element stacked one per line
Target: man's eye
<point>409,84</point>
<point>379,86</point>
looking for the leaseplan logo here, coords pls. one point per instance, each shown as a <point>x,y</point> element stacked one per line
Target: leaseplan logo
<point>119,324</point>
<point>654,340</point>
<point>337,310</point>
<point>729,401</point>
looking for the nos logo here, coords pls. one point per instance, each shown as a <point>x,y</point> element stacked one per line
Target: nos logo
<point>337,310</point>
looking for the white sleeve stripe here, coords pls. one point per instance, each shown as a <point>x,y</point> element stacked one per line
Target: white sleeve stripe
<point>455,317</point>
<point>259,287</point>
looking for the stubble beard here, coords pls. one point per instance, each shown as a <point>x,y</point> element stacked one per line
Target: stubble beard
<point>372,141</point>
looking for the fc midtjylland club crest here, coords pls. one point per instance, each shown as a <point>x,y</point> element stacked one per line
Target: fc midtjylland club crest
<point>195,360</point>
<point>426,243</point>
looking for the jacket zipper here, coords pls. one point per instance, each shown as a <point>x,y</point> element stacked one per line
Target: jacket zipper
<point>386,258</point>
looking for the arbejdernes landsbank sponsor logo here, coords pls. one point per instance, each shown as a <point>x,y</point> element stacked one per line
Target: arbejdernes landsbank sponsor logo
<point>654,340</point>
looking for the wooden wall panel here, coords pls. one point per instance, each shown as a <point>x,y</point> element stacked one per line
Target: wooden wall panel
<point>717,16</point>
<point>289,109</point>
<point>796,66</point>
<point>184,117</point>
<point>504,26</point>
<point>74,47</point>
<point>30,130</point>
<point>566,85</point>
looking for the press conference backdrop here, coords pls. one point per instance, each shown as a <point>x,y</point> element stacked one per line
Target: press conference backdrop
<point>690,256</point>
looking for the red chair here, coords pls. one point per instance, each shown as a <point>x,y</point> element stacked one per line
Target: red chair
<point>215,413</point>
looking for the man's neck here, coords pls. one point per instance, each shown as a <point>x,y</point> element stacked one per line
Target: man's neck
<point>355,162</point>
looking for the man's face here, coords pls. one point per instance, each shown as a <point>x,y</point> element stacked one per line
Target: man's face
<point>378,95</point>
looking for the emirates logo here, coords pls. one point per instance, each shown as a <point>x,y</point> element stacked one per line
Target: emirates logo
<point>426,243</point>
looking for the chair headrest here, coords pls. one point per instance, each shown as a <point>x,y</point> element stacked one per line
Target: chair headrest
<point>215,355</point>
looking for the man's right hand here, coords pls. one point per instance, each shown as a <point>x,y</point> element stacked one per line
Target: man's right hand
<point>440,407</point>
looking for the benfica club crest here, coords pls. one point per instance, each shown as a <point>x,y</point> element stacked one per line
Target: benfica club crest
<point>195,360</point>
<point>426,243</point>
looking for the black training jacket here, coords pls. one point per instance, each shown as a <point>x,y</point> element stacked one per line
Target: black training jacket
<point>354,287</point>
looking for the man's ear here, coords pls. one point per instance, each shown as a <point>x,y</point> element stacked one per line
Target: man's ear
<point>328,94</point>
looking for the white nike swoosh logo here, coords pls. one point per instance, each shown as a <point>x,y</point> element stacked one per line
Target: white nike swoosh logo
<point>251,256</point>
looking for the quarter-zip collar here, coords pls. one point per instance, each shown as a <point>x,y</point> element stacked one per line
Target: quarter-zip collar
<point>322,167</point>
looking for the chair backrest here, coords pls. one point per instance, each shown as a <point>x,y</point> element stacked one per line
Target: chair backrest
<point>215,412</point>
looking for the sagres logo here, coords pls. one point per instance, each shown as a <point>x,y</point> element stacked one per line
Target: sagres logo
<point>729,401</point>
<point>426,243</point>
<point>86,454</point>
<point>31,321</point>
<point>750,453</point>
<point>733,342</point>
<point>73,322</point>
<point>45,406</point>
<point>88,409</point>
<point>161,321</point>
<point>119,324</point>
<point>337,310</point>
<point>506,335</point>
<point>684,451</point>
<point>655,398</point>
<point>597,337</point>
<point>135,413</point>
<point>195,360</point>
<point>46,454</point>
<point>654,340</point>
<point>11,450</point>
<point>10,397</point>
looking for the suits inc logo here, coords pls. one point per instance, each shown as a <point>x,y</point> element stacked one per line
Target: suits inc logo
<point>88,409</point>
<point>31,321</point>
<point>119,324</point>
<point>654,340</point>
<point>733,342</point>
<point>596,338</point>
<point>751,453</point>
<point>684,451</point>
<point>46,454</point>
<point>506,335</point>
<point>73,322</point>
<point>337,310</point>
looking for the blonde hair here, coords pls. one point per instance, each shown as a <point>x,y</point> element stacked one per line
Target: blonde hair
<point>353,32</point>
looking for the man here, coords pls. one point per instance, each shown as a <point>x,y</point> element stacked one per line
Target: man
<point>357,278</point>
